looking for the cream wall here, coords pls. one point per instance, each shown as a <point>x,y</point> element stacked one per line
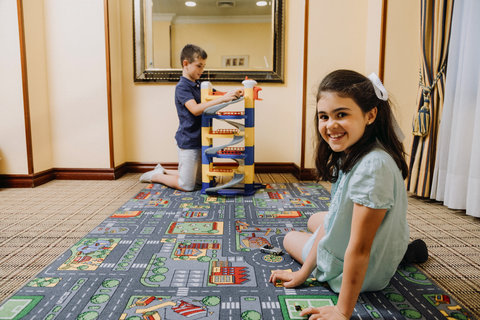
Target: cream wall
<point>337,40</point>
<point>278,117</point>
<point>12,124</point>
<point>355,45</point>
<point>148,119</point>
<point>161,38</point>
<point>76,76</point>
<point>38,85</point>
<point>116,72</point>
<point>68,93</point>
<point>152,119</point>
<point>373,36</point>
<point>402,62</point>
<point>219,39</point>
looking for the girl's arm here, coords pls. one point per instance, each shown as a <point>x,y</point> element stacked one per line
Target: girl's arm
<point>308,265</point>
<point>365,223</point>
<point>197,108</point>
<point>296,278</point>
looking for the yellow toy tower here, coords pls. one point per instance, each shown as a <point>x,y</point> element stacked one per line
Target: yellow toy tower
<point>242,170</point>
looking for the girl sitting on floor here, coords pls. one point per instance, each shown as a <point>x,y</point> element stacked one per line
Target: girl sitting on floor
<point>358,244</point>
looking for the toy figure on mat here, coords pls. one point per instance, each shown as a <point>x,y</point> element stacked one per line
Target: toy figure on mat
<point>188,136</point>
<point>358,244</point>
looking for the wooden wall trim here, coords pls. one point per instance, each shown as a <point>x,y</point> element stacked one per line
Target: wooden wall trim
<point>140,167</point>
<point>304,87</point>
<point>109,84</point>
<point>26,100</point>
<point>260,167</point>
<point>26,180</point>
<point>383,37</point>
<point>307,174</point>
<point>34,180</point>
<point>84,174</point>
<point>43,177</point>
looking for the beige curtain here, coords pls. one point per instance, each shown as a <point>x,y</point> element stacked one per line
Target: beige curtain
<point>436,17</point>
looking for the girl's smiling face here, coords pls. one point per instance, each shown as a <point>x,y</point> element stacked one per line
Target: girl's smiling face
<point>341,122</point>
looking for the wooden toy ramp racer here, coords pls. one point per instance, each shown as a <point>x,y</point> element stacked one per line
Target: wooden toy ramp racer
<point>213,109</point>
<point>239,149</point>
<point>224,188</point>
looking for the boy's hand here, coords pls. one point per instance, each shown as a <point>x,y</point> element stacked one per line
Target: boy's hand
<point>232,94</point>
<point>327,312</point>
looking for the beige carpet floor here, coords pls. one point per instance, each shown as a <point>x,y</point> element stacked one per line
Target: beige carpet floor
<point>39,224</point>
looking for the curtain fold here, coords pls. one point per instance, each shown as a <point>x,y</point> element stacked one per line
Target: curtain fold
<point>456,179</point>
<point>436,18</point>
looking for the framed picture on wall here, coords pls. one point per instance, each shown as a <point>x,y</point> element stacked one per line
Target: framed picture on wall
<point>235,61</point>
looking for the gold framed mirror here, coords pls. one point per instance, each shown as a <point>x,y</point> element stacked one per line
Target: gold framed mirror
<point>241,37</point>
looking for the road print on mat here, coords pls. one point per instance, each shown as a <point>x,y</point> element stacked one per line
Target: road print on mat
<point>167,254</point>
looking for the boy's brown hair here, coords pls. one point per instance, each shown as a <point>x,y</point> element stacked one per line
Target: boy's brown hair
<point>191,52</point>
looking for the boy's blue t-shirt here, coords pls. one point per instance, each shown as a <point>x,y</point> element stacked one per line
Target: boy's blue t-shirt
<point>189,132</point>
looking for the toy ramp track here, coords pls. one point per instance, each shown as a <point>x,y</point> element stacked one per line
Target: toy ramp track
<point>239,126</point>
<point>237,178</point>
<point>213,150</point>
<point>213,109</point>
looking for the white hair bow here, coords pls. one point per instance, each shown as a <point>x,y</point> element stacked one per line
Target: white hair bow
<point>382,94</point>
<point>380,90</point>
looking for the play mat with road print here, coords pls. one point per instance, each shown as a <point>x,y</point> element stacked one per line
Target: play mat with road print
<point>167,254</point>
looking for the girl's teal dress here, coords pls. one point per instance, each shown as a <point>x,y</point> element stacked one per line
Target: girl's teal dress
<point>375,182</point>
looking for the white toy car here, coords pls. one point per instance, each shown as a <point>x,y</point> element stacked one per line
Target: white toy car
<point>271,250</point>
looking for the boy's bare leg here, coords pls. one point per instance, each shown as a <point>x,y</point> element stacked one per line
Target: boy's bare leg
<point>171,172</point>
<point>170,180</point>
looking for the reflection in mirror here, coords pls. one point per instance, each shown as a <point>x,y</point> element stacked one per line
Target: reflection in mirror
<point>240,37</point>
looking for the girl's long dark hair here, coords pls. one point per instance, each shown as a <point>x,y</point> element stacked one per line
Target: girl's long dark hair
<point>351,84</point>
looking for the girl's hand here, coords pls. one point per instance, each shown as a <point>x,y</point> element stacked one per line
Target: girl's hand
<point>289,279</point>
<point>327,313</point>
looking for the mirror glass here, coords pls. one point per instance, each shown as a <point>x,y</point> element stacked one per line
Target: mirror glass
<point>241,37</point>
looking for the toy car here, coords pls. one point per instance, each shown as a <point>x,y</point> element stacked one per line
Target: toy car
<point>271,250</point>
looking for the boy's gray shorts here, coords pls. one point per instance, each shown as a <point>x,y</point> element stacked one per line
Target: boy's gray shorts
<point>189,168</point>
